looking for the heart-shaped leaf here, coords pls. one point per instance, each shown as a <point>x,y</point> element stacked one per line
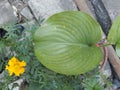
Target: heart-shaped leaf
<point>65,43</point>
<point>114,35</point>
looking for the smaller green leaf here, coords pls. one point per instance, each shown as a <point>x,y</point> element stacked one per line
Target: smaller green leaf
<point>114,35</point>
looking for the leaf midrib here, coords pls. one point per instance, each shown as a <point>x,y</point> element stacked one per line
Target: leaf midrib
<point>70,43</point>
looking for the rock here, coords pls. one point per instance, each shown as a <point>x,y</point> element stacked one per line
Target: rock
<point>113,8</point>
<point>18,82</point>
<point>45,8</point>
<point>6,13</point>
<point>26,13</point>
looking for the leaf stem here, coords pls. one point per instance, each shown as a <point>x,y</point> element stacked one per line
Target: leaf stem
<point>106,44</point>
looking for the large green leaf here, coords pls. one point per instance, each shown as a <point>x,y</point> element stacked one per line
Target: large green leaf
<point>114,35</point>
<point>66,43</point>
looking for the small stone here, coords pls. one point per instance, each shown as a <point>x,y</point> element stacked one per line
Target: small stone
<point>19,82</point>
<point>26,13</point>
<point>6,13</point>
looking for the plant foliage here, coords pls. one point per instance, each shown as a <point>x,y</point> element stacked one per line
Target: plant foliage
<point>114,35</point>
<point>66,43</point>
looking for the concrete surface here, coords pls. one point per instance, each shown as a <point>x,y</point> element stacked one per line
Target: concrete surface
<point>6,13</point>
<point>45,8</point>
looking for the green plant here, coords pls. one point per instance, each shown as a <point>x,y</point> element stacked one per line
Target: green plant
<point>68,43</point>
<point>36,75</point>
<point>16,43</point>
<point>92,84</point>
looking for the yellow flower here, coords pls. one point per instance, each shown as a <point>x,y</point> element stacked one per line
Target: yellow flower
<point>15,66</point>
